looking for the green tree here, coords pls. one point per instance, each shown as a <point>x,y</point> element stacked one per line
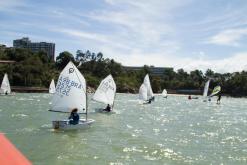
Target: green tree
<point>63,59</point>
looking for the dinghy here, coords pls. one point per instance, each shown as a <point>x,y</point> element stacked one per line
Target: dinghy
<point>143,95</point>
<point>205,91</point>
<point>52,88</point>
<point>147,83</point>
<point>70,93</point>
<point>5,86</point>
<point>106,93</point>
<point>164,93</point>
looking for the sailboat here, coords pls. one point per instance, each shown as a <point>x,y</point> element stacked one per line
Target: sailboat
<point>216,90</point>
<point>205,91</point>
<point>164,93</point>
<point>52,88</point>
<point>70,93</point>
<point>5,86</point>
<point>106,92</point>
<point>143,94</point>
<point>147,83</point>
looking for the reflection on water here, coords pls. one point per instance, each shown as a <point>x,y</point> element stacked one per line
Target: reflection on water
<point>168,131</point>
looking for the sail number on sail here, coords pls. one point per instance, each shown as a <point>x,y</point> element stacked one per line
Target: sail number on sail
<point>105,86</point>
<point>64,85</point>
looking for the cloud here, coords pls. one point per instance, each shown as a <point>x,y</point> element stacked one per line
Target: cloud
<point>10,4</point>
<point>228,37</point>
<point>236,62</point>
<point>160,33</point>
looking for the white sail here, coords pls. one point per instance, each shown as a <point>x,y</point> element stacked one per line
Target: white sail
<point>148,85</point>
<point>5,86</point>
<point>205,92</point>
<point>52,88</point>
<point>143,93</point>
<point>106,91</point>
<point>164,93</point>
<point>70,91</point>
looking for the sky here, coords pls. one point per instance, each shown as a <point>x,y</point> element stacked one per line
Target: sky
<point>188,34</point>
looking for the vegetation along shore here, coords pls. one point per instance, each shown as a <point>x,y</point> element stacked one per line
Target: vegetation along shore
<point>29,69</point>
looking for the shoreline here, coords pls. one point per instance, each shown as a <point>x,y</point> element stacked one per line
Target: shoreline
<point>22,89</point>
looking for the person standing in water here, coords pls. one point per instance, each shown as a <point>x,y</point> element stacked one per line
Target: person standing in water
<point>189,97</point>
<point>74,117</point>
<point>218,100</point>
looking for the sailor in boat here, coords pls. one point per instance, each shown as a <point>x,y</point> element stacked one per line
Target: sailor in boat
<point>218,100</point>
<point>6,93</point>
<point>74,117</point>
<point>152,98</point>
<point>108,108</point>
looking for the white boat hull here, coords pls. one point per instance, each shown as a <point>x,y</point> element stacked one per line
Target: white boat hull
<point>103,111</point>
<point>64,124</point>
<point>9,94</point>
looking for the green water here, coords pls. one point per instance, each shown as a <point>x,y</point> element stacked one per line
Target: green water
<point>169,131</point>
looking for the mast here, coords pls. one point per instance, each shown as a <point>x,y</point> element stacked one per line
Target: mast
<point>86,102</point>
<point>113,100</point>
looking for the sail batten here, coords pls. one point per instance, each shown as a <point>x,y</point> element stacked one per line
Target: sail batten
<point>106,91</point>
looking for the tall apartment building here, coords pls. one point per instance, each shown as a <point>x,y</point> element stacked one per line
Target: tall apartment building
<point>49,48</point>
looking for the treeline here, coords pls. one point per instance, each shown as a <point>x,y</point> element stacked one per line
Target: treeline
<point>36,69</point>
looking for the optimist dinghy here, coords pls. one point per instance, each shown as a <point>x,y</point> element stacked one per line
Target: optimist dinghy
<point>70,93</point>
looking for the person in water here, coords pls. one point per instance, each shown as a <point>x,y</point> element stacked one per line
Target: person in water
<point>189,97</point>
<point>74,117</point>
<point>108,108</point>
<point>218,100</point>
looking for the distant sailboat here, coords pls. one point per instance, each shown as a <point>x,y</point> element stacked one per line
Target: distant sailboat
<point>52,88</point>
<point>5,86</point>
<point>106,92</point>
<point>164,93</point>
<point>216,90</point>
<point>147,83</point>
<point>205,92</point>
<point>143,94</point>
<point>70,93</point>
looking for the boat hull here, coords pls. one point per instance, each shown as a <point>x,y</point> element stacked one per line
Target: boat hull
<point>10,94</point>
<point>103,111</point>
<point>64,124</point>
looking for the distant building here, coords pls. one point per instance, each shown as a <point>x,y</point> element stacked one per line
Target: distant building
<point>156,71</point>
<point>49,48</point>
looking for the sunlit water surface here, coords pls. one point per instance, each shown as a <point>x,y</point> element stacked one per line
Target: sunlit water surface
<point>168,131</point>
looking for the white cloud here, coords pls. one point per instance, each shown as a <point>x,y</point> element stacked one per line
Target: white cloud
<point>137,32</point>
<point>228,37</point>
<point>237,62</point>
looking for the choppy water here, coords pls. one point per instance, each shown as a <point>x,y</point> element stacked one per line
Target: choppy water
<point>169,131</point>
